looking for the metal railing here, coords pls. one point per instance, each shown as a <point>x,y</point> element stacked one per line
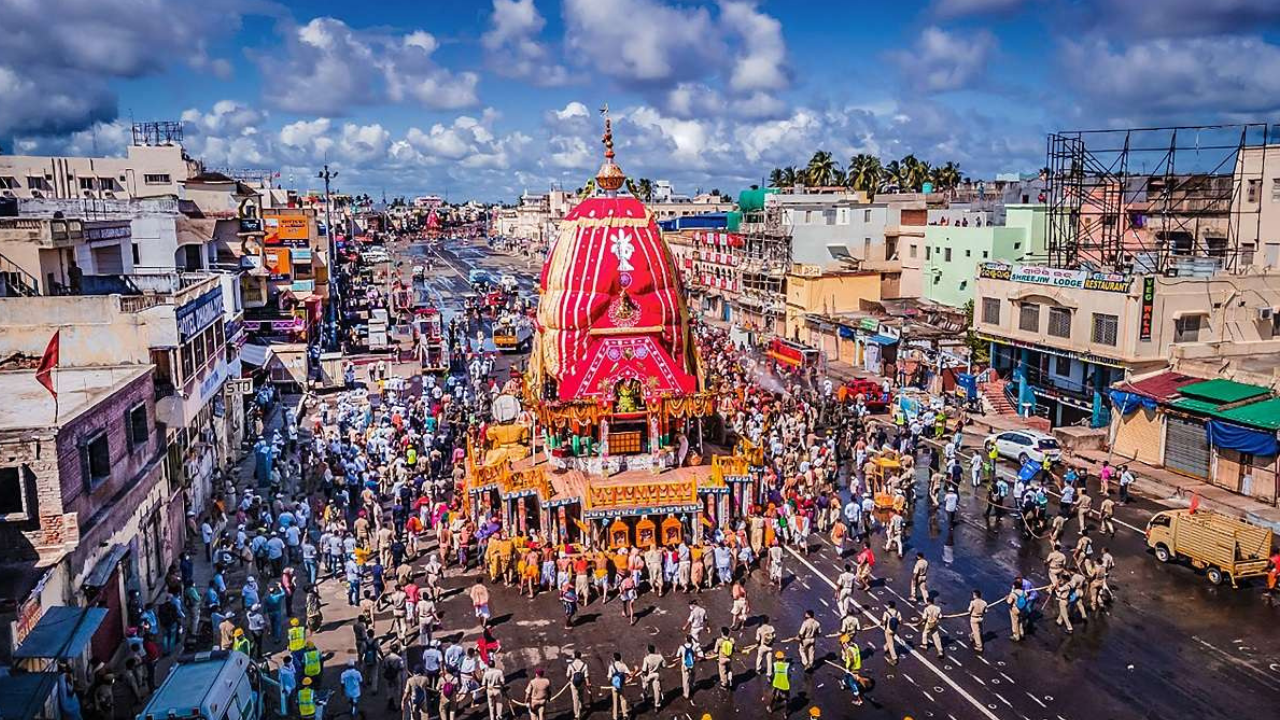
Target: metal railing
<point>16,281</point>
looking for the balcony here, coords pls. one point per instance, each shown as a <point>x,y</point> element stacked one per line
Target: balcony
<point>150,287</point>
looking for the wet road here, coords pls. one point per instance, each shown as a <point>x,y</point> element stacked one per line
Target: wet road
<point>1171,646</point>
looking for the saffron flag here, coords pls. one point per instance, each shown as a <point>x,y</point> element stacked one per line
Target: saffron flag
<point>48,362</point>
<point>1195,504</point>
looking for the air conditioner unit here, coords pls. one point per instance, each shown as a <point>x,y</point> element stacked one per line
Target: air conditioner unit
<point>1266,313</point>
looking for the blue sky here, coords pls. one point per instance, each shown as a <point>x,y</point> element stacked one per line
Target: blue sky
<point>487,98</point>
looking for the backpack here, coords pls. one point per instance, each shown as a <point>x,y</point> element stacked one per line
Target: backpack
<point>419,696</point>
<point>893,623</point>
<point>687,652</point>
<point>577,678</point>
<point>615,678</point>
<point>1023,603</point>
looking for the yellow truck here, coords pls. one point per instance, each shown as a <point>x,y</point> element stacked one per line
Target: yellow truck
<point>1224,547</point>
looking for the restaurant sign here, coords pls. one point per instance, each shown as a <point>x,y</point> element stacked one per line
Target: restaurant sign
<point>1147,318</point>
<point>1057,277</point>
<point>199,314</point>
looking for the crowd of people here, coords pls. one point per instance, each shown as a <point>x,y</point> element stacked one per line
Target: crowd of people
<point>363,493</point>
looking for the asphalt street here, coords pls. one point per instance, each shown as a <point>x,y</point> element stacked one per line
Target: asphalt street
<point>1170,646</point>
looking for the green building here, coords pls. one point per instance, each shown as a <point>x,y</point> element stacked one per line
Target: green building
<point>952,253</point>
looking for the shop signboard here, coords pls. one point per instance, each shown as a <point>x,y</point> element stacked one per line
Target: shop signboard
<point>1147,317</point>
<point>287,230</point>
<point>1057,277</point>
<point>277,262</point>
<point>199,314</point>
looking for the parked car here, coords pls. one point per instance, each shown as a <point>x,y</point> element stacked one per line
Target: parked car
<point>1024,445</point>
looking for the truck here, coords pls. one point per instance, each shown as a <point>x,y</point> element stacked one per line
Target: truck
<point>217,685</point>
<point>379,327</point>
<point>1226,548</point>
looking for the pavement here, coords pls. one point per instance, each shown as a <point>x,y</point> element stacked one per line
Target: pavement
<point>1170,646</point>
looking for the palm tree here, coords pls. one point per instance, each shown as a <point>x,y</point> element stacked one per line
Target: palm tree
<point>645,189</point>
<point>893,175</point>
<point>865,173</point>
<point>775,177</point>
<point>822,169</point>
<point>787,177</point>
<point>947,177</point>
<point>909,173</point>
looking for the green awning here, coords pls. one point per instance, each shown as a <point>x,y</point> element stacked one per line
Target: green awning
<point>1195,406</point>
<point>1265,414</point>
<point>1222,392</point>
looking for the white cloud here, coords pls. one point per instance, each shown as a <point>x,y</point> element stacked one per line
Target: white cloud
<point>642,42</point>
<point>1177,77</point>
<point>941,61</point>
<point>512,46</point>
<point>760,63</point>
<point>330,67</point>
<point>571,111</point>
<point>227,117</point>
<point>58,56</point>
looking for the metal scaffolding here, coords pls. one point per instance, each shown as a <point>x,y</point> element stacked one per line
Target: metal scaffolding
<point>1154,199</point>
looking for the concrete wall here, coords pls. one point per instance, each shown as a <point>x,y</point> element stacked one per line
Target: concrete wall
<point>828,294</point>
<point>95,331</point>
<point>1229,303</point>
<point>124,177</point>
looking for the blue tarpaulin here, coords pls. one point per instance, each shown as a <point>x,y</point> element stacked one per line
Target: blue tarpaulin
<point>848,333</point>
<point>1241,439</point>
<point>62,632</point>
<point>1127,402</point>
<point>883,340</point>
<point>969,382</point>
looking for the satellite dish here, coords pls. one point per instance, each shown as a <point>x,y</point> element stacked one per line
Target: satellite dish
<point>506,408</point>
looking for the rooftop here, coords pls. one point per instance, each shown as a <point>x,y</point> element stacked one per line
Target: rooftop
<point>28,405</point>
<point>1220,391</point>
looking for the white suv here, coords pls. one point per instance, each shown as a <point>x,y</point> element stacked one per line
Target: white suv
<point>1024,445</point>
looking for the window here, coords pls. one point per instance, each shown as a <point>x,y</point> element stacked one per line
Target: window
<point>963,284</point>
<point>88,183</point>
<point>1255,189</point>
<point>97,460</point>
<point>968,253</point>
<point>866,215</point>
<point>1275,189</point>
<point>136,426</point>
<point>991,311</point>
<point>912,252</point>
<point>35,182</point>
<point>1187,329</point>
<point>985,254</point>
<point>1029,317</point>
<point>947,255</point>
<point>188,367</point>
<point>156,178</point>
<point>1060,322</point>
<point>1017,246</point>
<point>1062,365</point>
<point>197,349</point>
<point>8,183</point>
<point>1105,328</point>
<point>927,252</point>
<point>137,254</point>
<point>13,494</point>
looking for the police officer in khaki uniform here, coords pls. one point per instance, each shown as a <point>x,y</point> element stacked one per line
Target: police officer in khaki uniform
<point>1015,596</point>
<point>809,632</point>
<point>724,656</point>
<point>919,578</point>
<point>765,635</point>
<point>1056,562</point>
<point>931,617</point>
<point>649,677</point>
<point>890,621</point>
<point>977,609</point>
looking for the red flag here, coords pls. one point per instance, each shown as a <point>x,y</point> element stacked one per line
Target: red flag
<point>49,361</point>
<point>1195,503</point>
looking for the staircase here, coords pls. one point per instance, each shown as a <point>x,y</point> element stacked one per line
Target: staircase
<point>996,397</point>
<point>16,282</point>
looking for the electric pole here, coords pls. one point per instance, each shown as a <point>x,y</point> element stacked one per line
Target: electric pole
<point>335,294</point>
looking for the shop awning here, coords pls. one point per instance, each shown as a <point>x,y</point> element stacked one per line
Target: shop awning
<point>258,355</point>
<point>1221,391</point>
<point>883,340</point>
<point>23,696</point>
<point>1264,414</point>
<point>1241,439</point>
<point>63,632</point>
<point>107,564</point>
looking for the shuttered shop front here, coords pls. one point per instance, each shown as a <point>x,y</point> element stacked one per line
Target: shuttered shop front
<point>1138,436</point>
<point>1186,449</point>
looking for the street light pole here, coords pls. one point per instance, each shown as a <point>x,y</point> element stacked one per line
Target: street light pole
<point>334,292</point>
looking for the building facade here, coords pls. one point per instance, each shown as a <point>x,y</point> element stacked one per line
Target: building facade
<point>953,252</point>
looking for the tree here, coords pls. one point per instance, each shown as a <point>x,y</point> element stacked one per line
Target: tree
<point>644,188</point>
<point>775,177</point>
<point>787,177</point>
<point>947,177</point>
<point>978,350</point>
<point>822,169</point>
<point>865,174</point>
<point>892,176</point>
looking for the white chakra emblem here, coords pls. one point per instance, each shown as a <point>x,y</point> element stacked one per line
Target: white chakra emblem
<point>623,250</point>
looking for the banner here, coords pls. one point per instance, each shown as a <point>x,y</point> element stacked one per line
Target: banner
<point>1057,277</point>
<point>290,230</point>
<point>1147,316</point>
